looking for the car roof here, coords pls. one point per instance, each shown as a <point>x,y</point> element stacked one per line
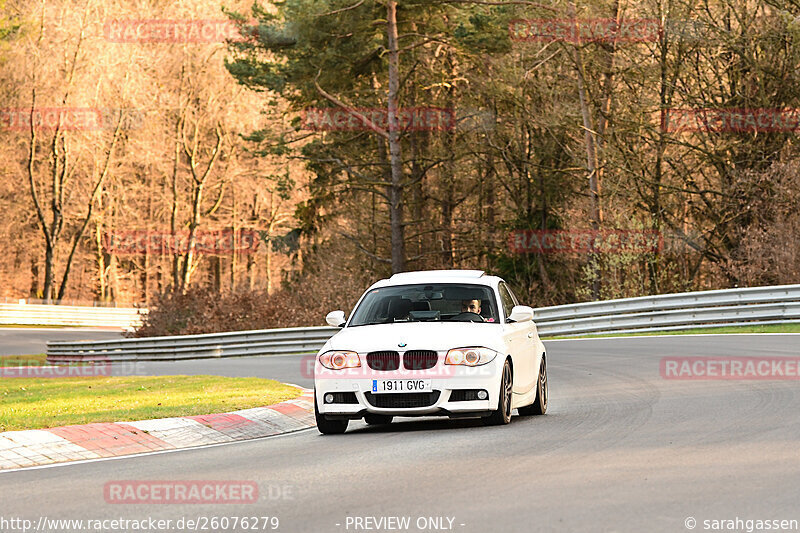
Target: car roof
<point>475,277</point>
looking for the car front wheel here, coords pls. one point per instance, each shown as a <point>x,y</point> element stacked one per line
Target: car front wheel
<point>503,413</point>
<point>328,427</point>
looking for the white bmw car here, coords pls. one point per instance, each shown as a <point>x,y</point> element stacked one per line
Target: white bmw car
<point>437,343</point>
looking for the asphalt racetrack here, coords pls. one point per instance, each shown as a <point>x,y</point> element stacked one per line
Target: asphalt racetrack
<point>621,449</point>
<point>30,341</point>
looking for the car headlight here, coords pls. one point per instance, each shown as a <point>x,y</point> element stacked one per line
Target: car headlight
<point>470,356</point>
<point>337,360</point>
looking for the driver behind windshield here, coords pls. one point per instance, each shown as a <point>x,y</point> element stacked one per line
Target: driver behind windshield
<point>472,306</point>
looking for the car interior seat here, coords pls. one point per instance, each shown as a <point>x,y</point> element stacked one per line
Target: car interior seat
<point>423,305</point>
<point>399,308</point>
<point>486,309</point>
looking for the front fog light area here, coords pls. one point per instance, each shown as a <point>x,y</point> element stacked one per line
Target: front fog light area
<point>339,397</point>
<point>468,395</point>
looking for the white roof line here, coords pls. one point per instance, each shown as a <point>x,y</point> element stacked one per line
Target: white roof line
<point>439,273</point>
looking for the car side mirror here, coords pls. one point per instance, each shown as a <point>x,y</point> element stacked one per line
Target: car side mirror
<point>336,319</point>
<point>521,313</point>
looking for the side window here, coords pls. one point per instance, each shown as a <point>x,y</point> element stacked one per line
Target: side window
<point>506,299</point>
<point>513,296</point>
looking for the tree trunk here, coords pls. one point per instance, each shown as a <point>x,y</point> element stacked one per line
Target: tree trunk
<point>173,220</point>
<point>448,191</point>
<point>233,236</point>
<point>395,150</point>
<point>591,165</point>
<point>113,279</point>
<point>101,263</point>
<point>189,257</point>
<point>269,268</point>
<point>447,217</point>
<point>34,291</point>
<point>216,273</point>
<point>49,260</point>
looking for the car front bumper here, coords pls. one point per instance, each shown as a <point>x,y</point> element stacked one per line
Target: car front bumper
<point>445,379</point>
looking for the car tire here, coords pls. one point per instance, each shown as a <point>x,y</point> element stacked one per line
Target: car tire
<point>539,405</point>
<point>326,426</point>
<point>502,415</point>
<point>377,420</point>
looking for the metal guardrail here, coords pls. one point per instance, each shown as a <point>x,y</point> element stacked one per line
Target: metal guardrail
<point>67,315</point>
<point>730,307</point>
<point>209,345</point>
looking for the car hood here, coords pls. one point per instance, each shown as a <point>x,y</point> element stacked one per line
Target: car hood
<point>439,336</point>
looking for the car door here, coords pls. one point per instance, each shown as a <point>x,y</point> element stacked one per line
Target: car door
<point>516,336</point>
<point>531,348</point>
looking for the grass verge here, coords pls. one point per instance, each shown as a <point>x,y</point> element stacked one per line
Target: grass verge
<point>39,359</point>
<point>27,403</point>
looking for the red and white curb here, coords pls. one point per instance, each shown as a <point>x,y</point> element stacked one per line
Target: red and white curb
<point>93,441</point>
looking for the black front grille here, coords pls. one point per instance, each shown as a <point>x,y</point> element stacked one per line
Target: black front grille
<point>419,359</point>
<point>383,361</point>
<point>403,400</point>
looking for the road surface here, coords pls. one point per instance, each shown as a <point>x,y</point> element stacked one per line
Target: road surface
<point>30,341</point>
<point>621,449</point>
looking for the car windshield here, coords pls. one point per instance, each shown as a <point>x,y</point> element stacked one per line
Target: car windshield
<point>427,303</point>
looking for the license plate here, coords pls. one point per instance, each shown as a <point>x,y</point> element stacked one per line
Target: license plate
<point>401,385</point>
